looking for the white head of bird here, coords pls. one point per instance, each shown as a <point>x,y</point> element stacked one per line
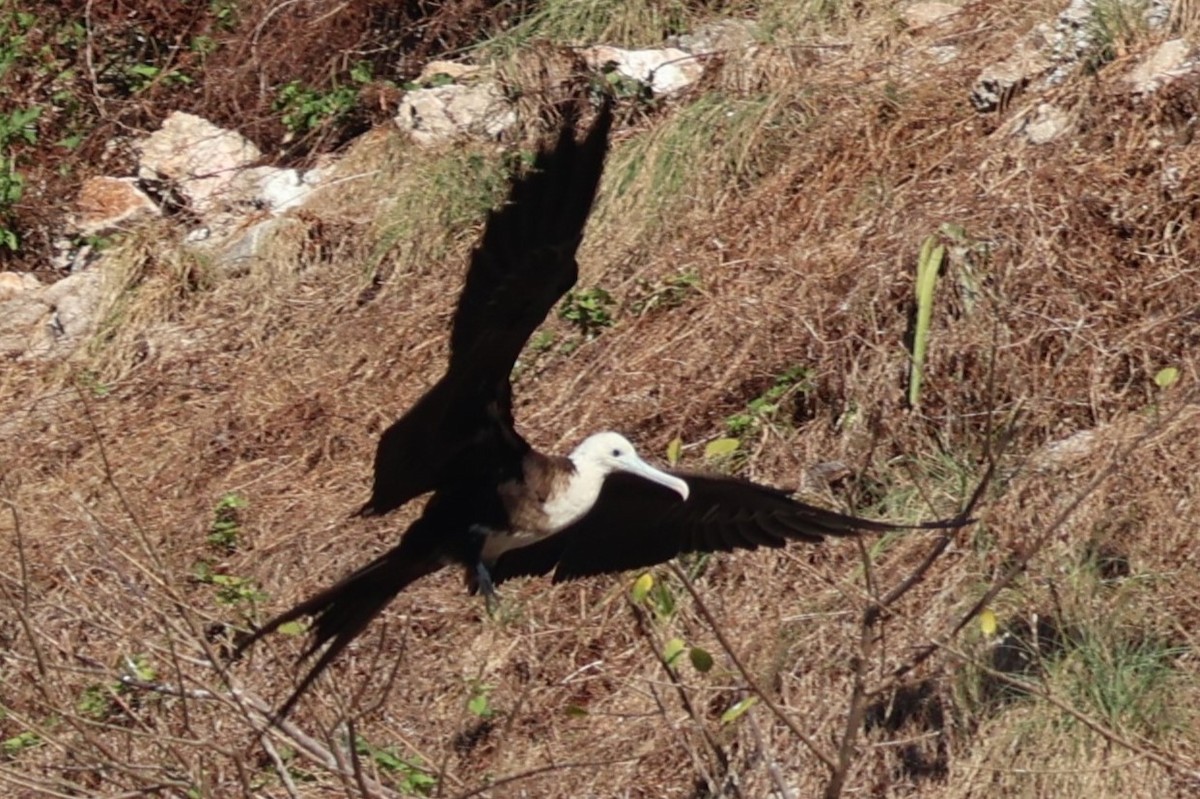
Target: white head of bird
<point>603,453</point>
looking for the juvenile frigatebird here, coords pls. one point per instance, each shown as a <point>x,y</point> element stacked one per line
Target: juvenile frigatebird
<point>499,508</point>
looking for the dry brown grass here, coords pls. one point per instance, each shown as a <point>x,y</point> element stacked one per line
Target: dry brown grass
<point>274,383</point>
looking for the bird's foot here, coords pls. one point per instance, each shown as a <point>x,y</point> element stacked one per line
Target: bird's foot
<point>483,581</point>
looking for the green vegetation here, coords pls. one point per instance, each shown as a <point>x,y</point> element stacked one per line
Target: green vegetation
<point>409,776</point>
<point>100,701</point>
<point>11,747</point>
<point>225,530</point>
<point>304,108</point>
<point>766,408</point>
<point>669,293</point>
<point>479,703</point>
<point>588,310</point>
<point>15,126</point>
<point>659,599</point>
<point>720,144</point>
<point>230,589</point>
<point>1127,682</point>
<point>610,21</point>
<point>1113,27</point>
<point>441,199</point>
<point>929,263</point>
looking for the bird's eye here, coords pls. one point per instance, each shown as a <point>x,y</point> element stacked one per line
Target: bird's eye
<point>616,453</point>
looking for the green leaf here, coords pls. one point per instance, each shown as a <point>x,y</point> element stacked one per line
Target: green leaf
<point>292,628</point>
<point>19,742</point>
<point>1166,377</point>
<point>721,447</point>
<point>641,587</point>
<point>987,622</point>
<point>928,264</point>
<point>576,711</point>
<point>478,705</point>
<point>732,715</point>
<point>673,649</point>
<point>701,660</point>
<point>674,450</point>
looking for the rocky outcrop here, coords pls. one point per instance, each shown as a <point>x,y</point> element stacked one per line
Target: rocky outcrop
<point>49,322</point>
<point>444,113</point>
<point>237,204</point>
<point>664,71</point>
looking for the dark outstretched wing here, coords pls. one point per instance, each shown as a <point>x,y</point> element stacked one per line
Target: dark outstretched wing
<point>522,266</point>
<point>636,523</point>
<point>526,260</point>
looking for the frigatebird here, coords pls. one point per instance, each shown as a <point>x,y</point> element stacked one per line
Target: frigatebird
<point>501,509</point>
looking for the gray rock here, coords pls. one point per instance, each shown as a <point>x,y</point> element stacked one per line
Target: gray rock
<point>719,36</point>
<point>445,113</point>
<point>666,71</point>
<point>922,15</point>
<point>13,284</point>
<point>49,323</point>
<point>201,158</point>
<point>1048,123</point>
<point>1171,59</point>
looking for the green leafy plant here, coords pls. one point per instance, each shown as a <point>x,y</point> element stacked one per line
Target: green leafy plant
<point>11,747</point>
<point>655,594</point>
<point>231,589</point>
<point>304,108</point>
<point>765,408</point>
<point>479,703</point>
<point>1166,377</point>
<point>721,448</point>
<point>670,293</point>
<point>17,126</point>
<point>225,529</point>
<point>98,701</point>
<point>410,777</point>
<point>589,310</point>
<point>738,709</point>
<point>541,341</point>
<point>675,451</point>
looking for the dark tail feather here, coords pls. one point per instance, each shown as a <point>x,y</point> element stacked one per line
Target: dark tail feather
<point>343,611</point>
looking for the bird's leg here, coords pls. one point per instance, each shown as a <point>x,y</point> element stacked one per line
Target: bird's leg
<point>483,581</point>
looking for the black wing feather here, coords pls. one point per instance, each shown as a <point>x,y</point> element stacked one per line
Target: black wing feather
<point>524,263</point>
<point>636,523</point>
<point>526,260</point>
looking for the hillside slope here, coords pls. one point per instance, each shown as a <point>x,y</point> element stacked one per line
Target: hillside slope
<point>193,468</point>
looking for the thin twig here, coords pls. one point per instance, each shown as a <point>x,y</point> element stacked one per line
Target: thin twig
<point>714,747</point>
<point>307,746</point>
<point>524,775</point>
<point>776,775</point>
<point>281,769</point>
<point>751,683</point>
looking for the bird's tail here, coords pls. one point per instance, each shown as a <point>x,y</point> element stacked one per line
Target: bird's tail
<point>343,611</point>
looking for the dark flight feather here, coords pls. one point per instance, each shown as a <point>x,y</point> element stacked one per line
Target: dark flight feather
<point>636,523</point>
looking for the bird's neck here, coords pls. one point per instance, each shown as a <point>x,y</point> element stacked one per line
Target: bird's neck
<point>575,495</point>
